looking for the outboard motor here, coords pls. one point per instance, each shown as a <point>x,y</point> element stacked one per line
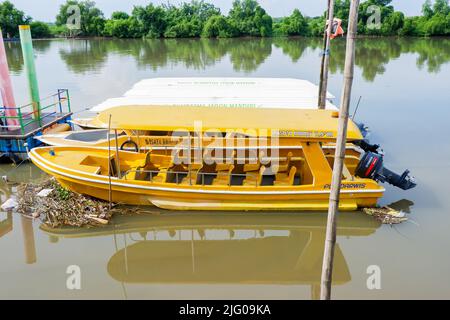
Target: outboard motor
<point>367,146</point>
<point>371,166</point>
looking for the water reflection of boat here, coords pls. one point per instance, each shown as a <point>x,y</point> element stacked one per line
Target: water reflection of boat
<point>218,249</point>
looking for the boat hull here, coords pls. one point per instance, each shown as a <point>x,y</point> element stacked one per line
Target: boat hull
<point>208,198</point>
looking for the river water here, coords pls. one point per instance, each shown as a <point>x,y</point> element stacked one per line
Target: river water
<point>405,89</point>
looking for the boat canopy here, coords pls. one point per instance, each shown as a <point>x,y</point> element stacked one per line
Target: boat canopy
<point>282,93</point>
<point>287,123</point>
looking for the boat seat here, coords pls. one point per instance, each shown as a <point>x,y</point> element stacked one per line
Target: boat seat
<point>90,169</point>
<point>193,174</point>
<point>161,176</point>
<point>284,179</point>
<point>154,167</point>
<point>163,173</point>
<point>285,166</point>
<point>251,167</point>
<point>95,161</point>
<point>223,175</point>
<point>254,178</point>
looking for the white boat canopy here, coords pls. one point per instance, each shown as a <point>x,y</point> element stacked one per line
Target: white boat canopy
<point>283,93</point>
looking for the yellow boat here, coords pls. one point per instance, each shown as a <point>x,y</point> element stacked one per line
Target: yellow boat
<point>207,182</point>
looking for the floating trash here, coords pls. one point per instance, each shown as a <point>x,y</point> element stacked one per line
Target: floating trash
<point>9,204</point>
<point>57,206</point>
<point>386,215</point>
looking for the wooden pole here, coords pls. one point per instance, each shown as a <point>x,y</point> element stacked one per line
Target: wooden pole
<point>109,163</point>
<point>323,85</point>
<point>119,174</point>
<point>330,239</point>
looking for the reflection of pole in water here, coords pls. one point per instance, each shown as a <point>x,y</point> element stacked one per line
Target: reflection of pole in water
<point>6,225</point>
<point>28,240</point>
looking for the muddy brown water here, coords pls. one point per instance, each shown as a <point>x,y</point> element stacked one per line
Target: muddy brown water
<point>405,89</point>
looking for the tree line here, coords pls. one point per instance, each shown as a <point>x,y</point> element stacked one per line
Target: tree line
<point>246,18</point>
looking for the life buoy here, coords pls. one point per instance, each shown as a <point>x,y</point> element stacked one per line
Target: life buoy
<point>336,28</point>
<point>136,148</point>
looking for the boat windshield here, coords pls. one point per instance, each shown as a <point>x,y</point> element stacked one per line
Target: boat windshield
<point>90,135</point>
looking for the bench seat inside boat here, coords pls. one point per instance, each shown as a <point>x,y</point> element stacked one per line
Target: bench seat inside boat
<point>285,179</point>
<point>193,174</point>
<point>98,164</point>
<point>223,177</point>
<point>254,178</point>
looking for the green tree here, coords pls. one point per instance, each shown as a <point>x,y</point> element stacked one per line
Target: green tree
<point>10,19</point>
<point>441,7</point>
<point>121,25</point>
<point>189,19</point>
<point>152,19</point>
<point>40,30</point>
<point>427,9</point>
<point>119,15</point>
<point>250,19</point>
<point>92,20</point>
<point>217,26</point>
<point>293,25</point>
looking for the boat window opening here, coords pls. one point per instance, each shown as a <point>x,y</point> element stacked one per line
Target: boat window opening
<point>156,133</point>
<point>90,135</point>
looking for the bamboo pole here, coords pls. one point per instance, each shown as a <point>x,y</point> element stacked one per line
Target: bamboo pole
<point>323,85</point>
<point>330,238</point>
<point>109,163</point>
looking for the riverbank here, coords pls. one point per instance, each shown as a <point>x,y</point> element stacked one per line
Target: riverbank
<point>242,37</point>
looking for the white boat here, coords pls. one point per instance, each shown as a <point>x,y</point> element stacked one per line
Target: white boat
<point>283,93</point>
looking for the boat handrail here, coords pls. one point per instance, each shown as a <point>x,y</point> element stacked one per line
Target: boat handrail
<point>154,173</point>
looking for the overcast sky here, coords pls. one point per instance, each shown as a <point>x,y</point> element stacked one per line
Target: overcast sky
<point>46,10</point>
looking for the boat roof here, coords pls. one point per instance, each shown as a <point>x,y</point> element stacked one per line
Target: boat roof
<point>282,93</point>
<point>288,123</point>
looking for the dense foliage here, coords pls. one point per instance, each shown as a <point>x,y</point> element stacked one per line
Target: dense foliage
<point>246,18</point>
<point>10,19</point>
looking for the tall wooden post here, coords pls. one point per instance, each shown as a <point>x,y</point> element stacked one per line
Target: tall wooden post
<point>330,238</point>
<point>323,85</point>
<point>28,59</point>
<point>108,136</point>
<point>6,88</point>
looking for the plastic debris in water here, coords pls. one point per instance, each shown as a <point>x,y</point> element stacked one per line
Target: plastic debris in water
<point>9,204</point>
<point>386,215</point>
<point>44,192</point>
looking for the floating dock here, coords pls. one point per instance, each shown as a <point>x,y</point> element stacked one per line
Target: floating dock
<point>16,139</point>
<point>20,125</point>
